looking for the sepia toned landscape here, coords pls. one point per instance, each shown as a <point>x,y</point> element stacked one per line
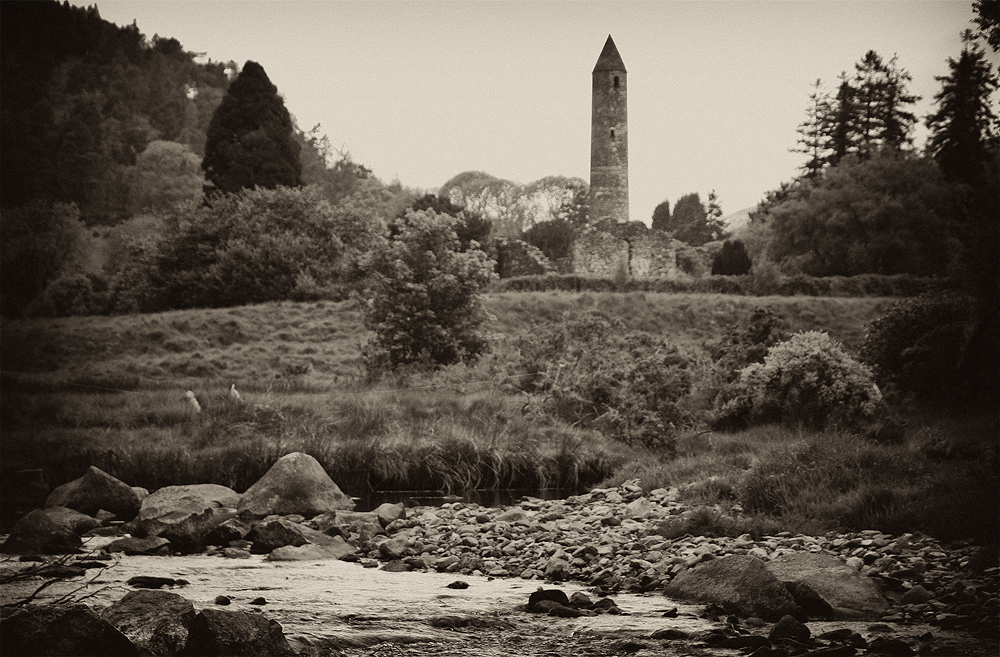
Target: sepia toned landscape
<point>256,400</point>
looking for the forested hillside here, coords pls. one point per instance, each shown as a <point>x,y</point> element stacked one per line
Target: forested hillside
<point>83,99</point>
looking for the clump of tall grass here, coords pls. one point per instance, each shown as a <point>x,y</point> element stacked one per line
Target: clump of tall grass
<point>813,482</point>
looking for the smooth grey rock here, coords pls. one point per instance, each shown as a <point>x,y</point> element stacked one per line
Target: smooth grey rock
<point>296,483</point>
<point>96,490</point>
<point>42,530</point>
<point>851,595</point>
<point>186,514</point>
<point>742,581</point>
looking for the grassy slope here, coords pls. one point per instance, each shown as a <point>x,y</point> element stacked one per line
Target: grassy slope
<point>109,391</point>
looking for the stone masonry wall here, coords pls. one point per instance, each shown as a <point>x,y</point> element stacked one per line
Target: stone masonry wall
<point>518,258</point>
<point>633,247</point>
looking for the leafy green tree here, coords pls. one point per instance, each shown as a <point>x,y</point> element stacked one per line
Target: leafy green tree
<point>887,215</point>
<point>963,127</point>
<point>661,216</point>
<point>249,141</point>
<point>472,227</point>
<point>554,238</point>
<point>559,197</point>
<point>166,173</point>
<point>38,242</point>
<point>423,301</point>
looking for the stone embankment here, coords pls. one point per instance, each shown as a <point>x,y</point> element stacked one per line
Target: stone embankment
<point>621,539</point>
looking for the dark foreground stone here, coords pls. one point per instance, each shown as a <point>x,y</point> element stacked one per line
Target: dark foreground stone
<point>215,633</point>
<point>64,631</point>
<point>155,621</point>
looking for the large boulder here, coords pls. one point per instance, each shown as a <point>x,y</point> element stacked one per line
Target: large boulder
<point>94,491</point>
<point>849,594</point>
<point>272,533</point>
<point>155,621</point>
<point>71,519</point>
<point>62,630</point>
<point>295,484</point>
<point>186,514</point>
<point>216,633</point>
<point>43,530</point>
<point>740,581</point>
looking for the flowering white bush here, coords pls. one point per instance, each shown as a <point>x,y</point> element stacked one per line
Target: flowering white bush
<point>808,378</point>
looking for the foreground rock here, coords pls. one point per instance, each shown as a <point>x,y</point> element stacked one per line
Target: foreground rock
<point>62,630</point>
<point>217,633</point>
<point>94,491</point>
<point>295,484</point>
<point>848,593</point>
<point>743,582</point>
<point>155,621</point>
<point>185,515</point>
<point>43,530</point>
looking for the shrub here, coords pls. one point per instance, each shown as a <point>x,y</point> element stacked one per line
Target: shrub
<point>809,379</point>
<point>38,242</point>
<point>250,247</point>
<point>917,345</point>
<point>423,300</point>
<point>627,385</point>
<point>748,340</point>
<point>73,294</point>
<point>732,260</point>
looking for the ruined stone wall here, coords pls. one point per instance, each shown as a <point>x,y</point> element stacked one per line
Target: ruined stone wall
<point>518,258</point>
<point>600,253</point>
<point>653,255</point>
<point>610,249</point>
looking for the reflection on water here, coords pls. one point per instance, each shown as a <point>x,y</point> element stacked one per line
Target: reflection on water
<point>489,498</point>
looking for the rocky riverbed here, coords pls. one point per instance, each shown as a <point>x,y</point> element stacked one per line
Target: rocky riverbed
<point>456,580</point>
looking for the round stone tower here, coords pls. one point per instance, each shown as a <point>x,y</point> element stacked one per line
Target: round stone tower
<point>609,138</point>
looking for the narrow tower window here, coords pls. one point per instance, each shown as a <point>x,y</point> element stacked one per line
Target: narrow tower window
<point>616,82</point>
<point>612,134</point>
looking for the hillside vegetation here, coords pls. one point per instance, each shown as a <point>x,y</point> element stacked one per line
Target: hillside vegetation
<point>111,392</point>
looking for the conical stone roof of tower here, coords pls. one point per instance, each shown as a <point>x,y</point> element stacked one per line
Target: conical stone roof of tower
<point>610,60</point>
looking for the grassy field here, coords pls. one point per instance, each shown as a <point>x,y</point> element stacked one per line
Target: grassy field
<point>110,391</point>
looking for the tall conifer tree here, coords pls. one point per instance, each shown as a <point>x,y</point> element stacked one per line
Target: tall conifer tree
<point>250,138</point>
<point>964,124</point>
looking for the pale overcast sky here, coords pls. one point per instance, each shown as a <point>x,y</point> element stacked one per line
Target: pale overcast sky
<point>422,91</point>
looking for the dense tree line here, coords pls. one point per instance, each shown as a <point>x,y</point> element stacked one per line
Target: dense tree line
<point>83,98</point>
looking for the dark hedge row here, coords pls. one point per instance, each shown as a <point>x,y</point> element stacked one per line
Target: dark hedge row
<point>863,285</point>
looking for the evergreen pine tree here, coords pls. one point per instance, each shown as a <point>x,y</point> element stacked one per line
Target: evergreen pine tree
<point>250,138</point>
<point>715,228</point>
<point>840,127</point>
<point>812,139</point>
<point>881,97</point>
<point>964,123</point>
